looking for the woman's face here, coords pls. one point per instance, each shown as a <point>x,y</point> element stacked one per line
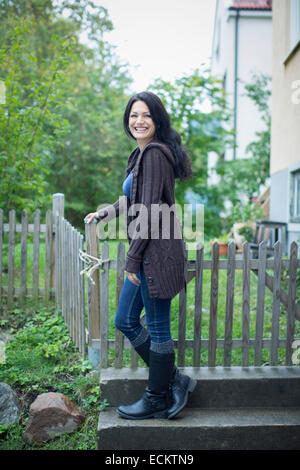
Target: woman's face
<point>140,123</point>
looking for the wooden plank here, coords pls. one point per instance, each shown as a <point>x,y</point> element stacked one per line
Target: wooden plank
<point>292,303</point>
<point>82,303</point>
<point>182,320</point>
<point>213,306</point>
<point>93,290</point>
<point>1,244</point>
<point>74,287</point>
<point>104,306</point>
<point>260,302</point>
<point>24,256</point>
<point>253,263</point>
<point>276,304</point>
<point>58,213</point>
<point>48,254</point>
<point>43,228</point>
<point>119,337</point>
<point>65,258</point>
<point>72,298</point>
<point>236,343</point>
<point>76,296</point>
<point>81,300</point>
<point>68,274</point>
<point>11,257</point>
<point>198,304</point>
<point>63,271</point>
<point>246,305</point>
<point>60,266</point>
<point>207,263</point>
<point>67,271</point>
<point>28,293</point>
<point>35,267</point>
<point>229,304</point>
<point>75,274</point>
<point>56,258</point>
<point>76,303</point>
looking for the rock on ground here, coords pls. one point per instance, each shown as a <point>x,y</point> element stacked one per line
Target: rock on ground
<point>52,414</point>
<point>9,404</point>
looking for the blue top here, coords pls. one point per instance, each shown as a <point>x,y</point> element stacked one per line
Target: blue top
<point>127,184</point>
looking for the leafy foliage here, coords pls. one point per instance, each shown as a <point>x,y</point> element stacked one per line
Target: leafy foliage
<point>40,358</point>
<point>61,120</point>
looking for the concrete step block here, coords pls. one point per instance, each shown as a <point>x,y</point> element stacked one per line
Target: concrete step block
<point>217,387</point>
<point>204,429</point>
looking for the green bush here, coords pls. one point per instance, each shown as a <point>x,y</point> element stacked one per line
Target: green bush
<point>40,357</point>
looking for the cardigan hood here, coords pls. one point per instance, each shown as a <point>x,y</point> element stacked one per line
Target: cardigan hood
<point>137,155</point>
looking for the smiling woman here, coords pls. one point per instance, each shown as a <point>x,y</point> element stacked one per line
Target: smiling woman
<point>154,266</point>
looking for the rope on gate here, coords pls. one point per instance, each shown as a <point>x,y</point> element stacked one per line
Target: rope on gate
<point>92,262</point>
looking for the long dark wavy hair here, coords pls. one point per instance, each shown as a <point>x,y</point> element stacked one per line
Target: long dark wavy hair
<point>163,131</point>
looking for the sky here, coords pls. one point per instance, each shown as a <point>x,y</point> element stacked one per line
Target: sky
<point>161,38</point>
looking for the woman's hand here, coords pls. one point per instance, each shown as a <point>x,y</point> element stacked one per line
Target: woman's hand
<point>91,218</point>
<point>133,278</point>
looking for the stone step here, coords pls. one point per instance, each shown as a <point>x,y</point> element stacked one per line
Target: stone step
<point>204,429</point>
<point>217,387</point>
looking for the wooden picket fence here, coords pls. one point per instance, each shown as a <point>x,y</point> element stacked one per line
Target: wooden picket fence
<point>194,269</point>
<point>69,284</point>
<point>86,307</point>
<point>59,243</point>
<point>41,233</point>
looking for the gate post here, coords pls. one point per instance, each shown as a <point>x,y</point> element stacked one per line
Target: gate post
<point>93,291</point>
<point>58,201</point>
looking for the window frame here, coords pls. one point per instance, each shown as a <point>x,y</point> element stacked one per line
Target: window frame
<point>294,201</point>
<point>294,33</point>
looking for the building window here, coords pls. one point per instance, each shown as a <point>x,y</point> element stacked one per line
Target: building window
<point>295,197</point>
<point>294,23</point>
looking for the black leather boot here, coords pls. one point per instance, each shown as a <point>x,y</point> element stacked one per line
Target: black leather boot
<point>180,386</point>
<point>155,401</point>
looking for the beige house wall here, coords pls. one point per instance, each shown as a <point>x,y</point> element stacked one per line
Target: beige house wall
<point>285,128</point>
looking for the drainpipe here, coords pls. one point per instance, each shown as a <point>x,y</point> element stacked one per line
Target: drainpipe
<point>235,96</point>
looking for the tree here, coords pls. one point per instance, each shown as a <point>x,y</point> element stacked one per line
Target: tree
<point>30,105</point>
<point>61,123</point>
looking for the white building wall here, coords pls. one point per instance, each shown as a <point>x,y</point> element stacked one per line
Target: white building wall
<point>254,54</point>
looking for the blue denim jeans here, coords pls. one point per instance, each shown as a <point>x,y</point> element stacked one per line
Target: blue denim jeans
<point>132,301</point>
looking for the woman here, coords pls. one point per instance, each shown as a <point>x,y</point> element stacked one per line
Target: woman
<point>154,263</point>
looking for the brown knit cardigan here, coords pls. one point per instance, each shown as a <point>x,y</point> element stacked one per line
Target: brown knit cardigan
<point>153,182</point>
